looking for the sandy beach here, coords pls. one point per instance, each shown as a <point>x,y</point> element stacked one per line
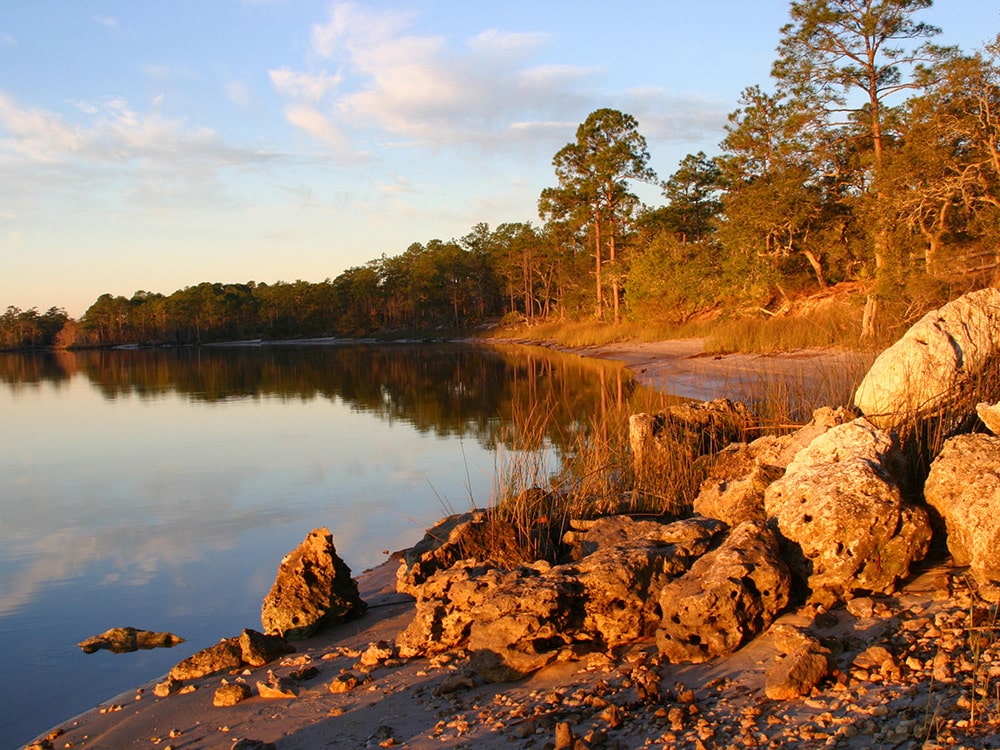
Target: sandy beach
<point>441,703</point>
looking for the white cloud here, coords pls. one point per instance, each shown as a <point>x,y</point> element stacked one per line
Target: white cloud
<point>109,21</point>
<point>311,88</point>
<point>421,88</point>
<point>239,93</point>
<point>6,40</point>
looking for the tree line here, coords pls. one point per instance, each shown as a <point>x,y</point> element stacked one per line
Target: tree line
<point>873,157</point>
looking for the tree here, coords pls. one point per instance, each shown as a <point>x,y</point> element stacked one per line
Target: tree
<point>693,193</point>
<point>832,48</point>
<point>593,174</point>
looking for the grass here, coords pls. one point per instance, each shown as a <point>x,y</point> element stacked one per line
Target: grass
<point>836,324</point>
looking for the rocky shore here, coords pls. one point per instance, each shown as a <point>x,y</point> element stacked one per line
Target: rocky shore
<point>811,599</point>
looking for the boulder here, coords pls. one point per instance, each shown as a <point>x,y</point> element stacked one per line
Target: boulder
<point>516,621</point>
<point>125,640</point>
<point>989,415</point>
<point>848,526</point>
<point>733,490</point>
<point>473,535</point>
<point>729,595</point>
<point>221,657</point>
<point>694,429</point>
<point>795,675</point>
<point>964,488</point>
<point>257,649</point>
<point>934,363</point>
<point>313,588</point>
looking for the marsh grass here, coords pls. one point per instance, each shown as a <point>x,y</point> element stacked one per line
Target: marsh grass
<point>548,475</point>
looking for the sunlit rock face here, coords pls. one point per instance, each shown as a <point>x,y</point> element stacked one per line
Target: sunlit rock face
<point>313,588</point>
<point>964,488</point>
<point>930,367</point>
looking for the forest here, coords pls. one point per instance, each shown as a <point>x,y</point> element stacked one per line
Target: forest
<point>871,158</point>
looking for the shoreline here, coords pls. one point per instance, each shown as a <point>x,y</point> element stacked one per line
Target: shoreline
<point>405,693</point>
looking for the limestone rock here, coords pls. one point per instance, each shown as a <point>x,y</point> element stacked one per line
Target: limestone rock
<point>474,535</point>
<point>230,694</point>
<point>797,674</point>
<point>343,683</point>
<point>729,595</point>
<point>516,621</point>
<point>221,657</point>
<point>964,487</point>
<point>275,687</point>
<point>934,361</point>
<point>313,588</point>
<point>848,526</point>
<point>258,649</point>
<point>733,491</point>
<point>125,640</point>
<point>989,415</point>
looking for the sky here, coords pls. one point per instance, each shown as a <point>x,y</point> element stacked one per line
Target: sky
<point>154,145</point>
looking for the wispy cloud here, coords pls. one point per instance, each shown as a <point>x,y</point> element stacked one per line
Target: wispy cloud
<point>424,89</point>
<point>6,40</point>
<point>107,21</point>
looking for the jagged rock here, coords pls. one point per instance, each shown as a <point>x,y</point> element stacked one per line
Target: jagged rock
<point>343,683</point>
<point>275,687</point>
<point>796,674</point>
<point>167,687</point>
<point>230,694</point>
<point>125,640</point>
<point>848,526</point>
<point>258,649</point>
<point>313,588</point>
<point>789,638</point>
<point>622,580</point>
<point>377,653</point>
<point>733,491</point>
<point>473,535</point>
<point>729,595</point>
<point>516,621</point>
<point>221,657</point>
<point>934,362</point>
<point>964,487</point>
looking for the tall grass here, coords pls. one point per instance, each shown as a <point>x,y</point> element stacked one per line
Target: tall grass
<point>540,485</point>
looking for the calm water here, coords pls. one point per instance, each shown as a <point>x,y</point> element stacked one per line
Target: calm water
<point>160,489</point>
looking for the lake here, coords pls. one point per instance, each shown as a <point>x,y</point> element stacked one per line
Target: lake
<point>161,488</point>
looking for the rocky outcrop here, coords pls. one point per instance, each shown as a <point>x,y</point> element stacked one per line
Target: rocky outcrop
<point>733,491</point>
<point>221,657</point>
<point>125,640</point>
<point>257,649</point>
<point>313,588</point>
<point>848,527</point>
<point>698,428</point>
<point>516,621</point>
<point>964,488</point>
<point>934,362</point>
<point>728,596</point>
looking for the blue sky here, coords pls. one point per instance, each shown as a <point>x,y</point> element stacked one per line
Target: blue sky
<point>153,145</point>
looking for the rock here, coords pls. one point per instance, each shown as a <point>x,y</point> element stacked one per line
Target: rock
<point>167,687</point>
<point>276,687</point>
<point>705,428</point>
<point>221,657</point>
<point>258,649</point>
<point>849,528</point>
<point>125,640</point>
<point>733,490</point>
<point>934,363</point>
<point>989,415</point>
<point>476,535</point>
<point>797,674</point>
<point>230,694</point>
<point>377,653</point>
<point>313,588</point>
<point>343,683</point>
<point>964,488</point>
<point>789,638</point>
<point>516,621</point>
<point>728,596</point>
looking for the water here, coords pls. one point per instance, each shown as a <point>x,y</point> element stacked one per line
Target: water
<point>160,489</point>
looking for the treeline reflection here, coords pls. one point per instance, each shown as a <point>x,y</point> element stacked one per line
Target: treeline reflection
<point>446,389</point>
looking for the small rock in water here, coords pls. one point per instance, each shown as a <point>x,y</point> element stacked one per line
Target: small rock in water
<point>126,640</point>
